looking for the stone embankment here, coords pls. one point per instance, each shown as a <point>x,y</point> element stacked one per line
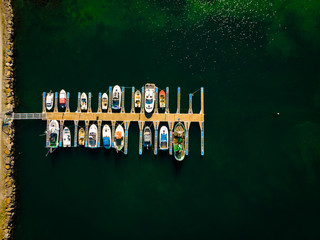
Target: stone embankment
<point>8,131</point>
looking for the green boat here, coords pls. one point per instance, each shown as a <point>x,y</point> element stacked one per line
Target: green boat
<point>179,146</point>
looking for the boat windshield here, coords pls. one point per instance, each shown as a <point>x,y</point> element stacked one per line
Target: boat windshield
<point>115,103</point>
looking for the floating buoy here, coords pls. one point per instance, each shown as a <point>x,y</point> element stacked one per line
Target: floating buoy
<point>278,114</point>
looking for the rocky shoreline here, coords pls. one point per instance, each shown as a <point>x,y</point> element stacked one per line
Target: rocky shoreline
<point>8,131</point>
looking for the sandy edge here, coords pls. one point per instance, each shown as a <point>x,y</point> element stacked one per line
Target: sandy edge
<point>7,183</point>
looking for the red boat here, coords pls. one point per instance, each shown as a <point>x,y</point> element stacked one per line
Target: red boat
<point>162,99</point>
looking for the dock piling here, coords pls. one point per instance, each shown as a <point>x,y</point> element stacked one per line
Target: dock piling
<point>44,107</point>
<point>110,101</point>
<point>190,104</point>
<point>142,101</point>
<point>171,138</point>
<point>156,101</point>
<point>87,133</point>
<point>178,100</point>
<point>141,125</point>
<point>122,101</point>
<point>79,99</point>
<point>202,137</point>
<point>99,132</point>
<point>126,128</point>
<point>156,126</point>
<point>187,126</point>
<point>113,123</point>
<point>61,132</point>
<point>68,102</point>
<point>47,134</point>
<point>99,103</point>
<point>132,101</point>
<point>55,102</point>
<point>167,101</point>
<point>76,133</point>
<point>89,103</point>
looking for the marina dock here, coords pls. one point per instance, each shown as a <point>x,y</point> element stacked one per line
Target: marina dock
<point>125,117</point>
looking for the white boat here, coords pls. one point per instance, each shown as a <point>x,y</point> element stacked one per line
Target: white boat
<point>93,136</point>
<point>147,137</point>
<point>149,97</point>
<point>84,102</point>
<point>137,99</point>
<point>116,98</point>
<point>62,98</point>
<point>49,100</point>
<point>163,139</point>
<point>53,133</point>
<point>119,138</point>
<point>66,141</point>
<point>104,101</point>
<point>106,136</point>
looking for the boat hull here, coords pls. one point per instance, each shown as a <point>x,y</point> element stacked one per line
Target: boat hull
<point>82,135</point>
<point>62,98</point>
<point>93,135</point>
<point>84,102</point>
<point>104,101</point>
<point>149,97</point>
<point>162,99</point>
<point>119,138</point>
<point>147,137</point>
<point>66,140</point>
<point>116,97</point>
<point>137,99</point>
<point>179,142</point>
<point>49,101</point>
<point>53,134</point>
<point>106,136</point>
<point>163,138</point>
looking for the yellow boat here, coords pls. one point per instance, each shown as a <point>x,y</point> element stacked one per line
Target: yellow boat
<point>82,135</point>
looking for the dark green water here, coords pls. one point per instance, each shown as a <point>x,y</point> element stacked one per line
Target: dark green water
<point>259,178</point>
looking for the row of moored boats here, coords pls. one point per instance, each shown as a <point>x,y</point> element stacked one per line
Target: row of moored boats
<point>116,99</point>
<point>178,138</point>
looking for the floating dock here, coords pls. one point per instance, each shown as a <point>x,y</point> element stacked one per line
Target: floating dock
<point>122,116</point>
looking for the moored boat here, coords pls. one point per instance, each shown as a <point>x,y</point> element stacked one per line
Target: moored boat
<point>147,137</point>
<point>119,138</point>
<point>53,134</point>
<point>162,99</point>
<point>81,137</point>
<point>116,97</point>
<point>104,101</point>
<point>179,141</point>
<point>149,97</point>
<point>137,99</point>
<point>84,102</point>
<point>93,135</point>
<point>106,136</point>
<point>163,140</point>
<point>66,140</point>
<point>62,98</point>
<point>49,100</point>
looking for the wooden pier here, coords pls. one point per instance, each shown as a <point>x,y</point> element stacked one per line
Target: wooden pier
<point>121,117</point>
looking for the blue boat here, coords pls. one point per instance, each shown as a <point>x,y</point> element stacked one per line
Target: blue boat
<point>163,140</point>
<point>106,136</point>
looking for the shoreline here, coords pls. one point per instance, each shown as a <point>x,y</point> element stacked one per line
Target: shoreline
<point>7,104</point>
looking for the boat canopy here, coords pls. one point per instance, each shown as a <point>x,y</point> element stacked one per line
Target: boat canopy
<point>164,138</point>
<point>106,141</point>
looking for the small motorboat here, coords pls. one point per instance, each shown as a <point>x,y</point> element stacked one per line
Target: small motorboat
<point>116,97</point>
<point>81,137</point>
<point>137,99</point>
<point>119,138</point>
<point>104,101</point>
<point>62,98</point>
<point>66,141</point>
<point>147,137</point>
<point>53,134</point>
<point>162,99</point>
<point>49,100</point>
<point>163,140</point>
<point>149,97</point>
<point>179,141</point>
<point>93,135</point>
<point>84,102</point>
<point>106,136</point>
